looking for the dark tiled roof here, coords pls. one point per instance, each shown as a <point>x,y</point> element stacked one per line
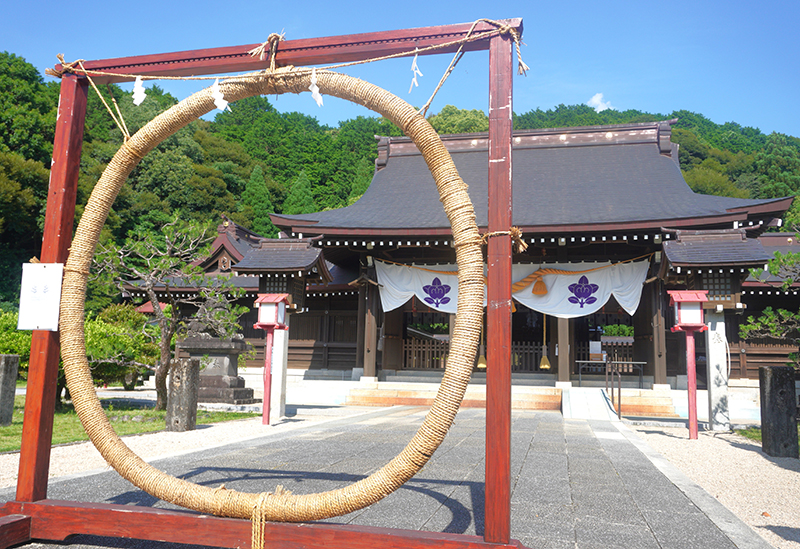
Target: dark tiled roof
<point>774,242</point>
<point>780,242</point>
<point>280,255</point>
<point>340,278</point>
<point>717,248</point>
<point>244,282</point>
<point>241,246</point>
<point>591,177</point>
<point>232,235</point>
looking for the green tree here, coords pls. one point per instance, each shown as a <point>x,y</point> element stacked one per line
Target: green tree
<point>289,143</point>
<point>691,151</point>
<point>704,180</point>
<point>565,116</point>
<point>120,345</point>
<point>300,199</point>
<point>778,167</point>
<point>256,198</point>
<point>27,110</point>
<point>23,194</point>
<point>454,120</point>
<point>284,142</point>
<point>164,263</point>
<point>361,180</point>
<point>729,136</point>
<point>781,325</point>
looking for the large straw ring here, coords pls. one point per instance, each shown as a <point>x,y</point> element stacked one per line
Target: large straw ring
<point>278,506</point>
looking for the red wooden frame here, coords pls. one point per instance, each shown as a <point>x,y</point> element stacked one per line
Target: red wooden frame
<point>33,516</point>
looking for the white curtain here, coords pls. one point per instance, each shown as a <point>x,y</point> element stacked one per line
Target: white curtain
<point>568,295</point>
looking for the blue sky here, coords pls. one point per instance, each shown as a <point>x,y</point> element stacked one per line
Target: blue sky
<point>729,60</point>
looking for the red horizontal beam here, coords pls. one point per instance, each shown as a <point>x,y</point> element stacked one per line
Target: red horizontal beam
<point>56,520</point>
<point>304,52</point>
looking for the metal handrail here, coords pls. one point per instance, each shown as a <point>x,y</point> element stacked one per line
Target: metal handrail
<point>612,368</point>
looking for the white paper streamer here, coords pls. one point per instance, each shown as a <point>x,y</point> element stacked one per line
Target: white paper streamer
<point>314,88</point>
<point>417,72</point>
<point>219,99</point>
<point>138,92</point>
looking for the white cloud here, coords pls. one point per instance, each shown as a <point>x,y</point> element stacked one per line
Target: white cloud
<point>597,103</point>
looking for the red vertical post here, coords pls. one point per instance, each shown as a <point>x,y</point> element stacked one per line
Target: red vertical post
<point>37,429</point>
<point>498,377</point>
<point>691,374</point>
<point>265,404</point>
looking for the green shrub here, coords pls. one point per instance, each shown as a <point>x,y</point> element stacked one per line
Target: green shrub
<point>617,330</point>
<point>15,342</point>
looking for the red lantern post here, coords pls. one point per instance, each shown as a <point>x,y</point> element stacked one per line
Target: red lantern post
<point>689,319</point>
<point>271,315</point>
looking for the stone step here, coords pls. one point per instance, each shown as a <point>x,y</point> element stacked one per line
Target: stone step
<point>647,404</point>
<point>645,401</point>
<point>648,411</point>
<point>538,399</point>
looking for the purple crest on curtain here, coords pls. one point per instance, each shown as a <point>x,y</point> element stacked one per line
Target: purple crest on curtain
<point>583,291</point>
<point>436,292</point>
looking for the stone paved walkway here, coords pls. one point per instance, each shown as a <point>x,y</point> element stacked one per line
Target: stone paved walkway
<point>575,483</point>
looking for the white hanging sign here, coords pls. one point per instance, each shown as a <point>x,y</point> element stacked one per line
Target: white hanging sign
<point>40,296</point>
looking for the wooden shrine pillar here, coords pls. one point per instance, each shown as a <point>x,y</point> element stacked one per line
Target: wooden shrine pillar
<point>659,322</point>
<point>563,342</point>
<point>361,323</point>
<point>498,377</point>
<point>37,429</point>
<point>393,340</point>
<point>371,332</point>
<point>367,328</point>
<point>649,326</point>
<point>572,344</point>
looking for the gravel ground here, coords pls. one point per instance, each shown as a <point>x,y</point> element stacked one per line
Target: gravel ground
<point>762,491</point>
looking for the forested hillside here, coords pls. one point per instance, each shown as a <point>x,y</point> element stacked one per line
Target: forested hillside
<point>253,160</point>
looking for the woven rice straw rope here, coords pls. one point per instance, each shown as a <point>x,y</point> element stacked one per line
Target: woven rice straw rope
<point>278,506</point>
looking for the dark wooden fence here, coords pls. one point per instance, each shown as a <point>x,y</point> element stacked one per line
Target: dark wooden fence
<point>424,354</point>
<point>747,357</point>
<point>431,355</point>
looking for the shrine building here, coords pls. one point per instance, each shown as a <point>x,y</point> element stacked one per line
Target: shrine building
<point>610,226</point>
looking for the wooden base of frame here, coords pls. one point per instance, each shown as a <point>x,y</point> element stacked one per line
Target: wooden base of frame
<point>56,520</point>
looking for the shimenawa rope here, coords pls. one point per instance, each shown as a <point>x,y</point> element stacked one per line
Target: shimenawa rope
<point>277,505</point>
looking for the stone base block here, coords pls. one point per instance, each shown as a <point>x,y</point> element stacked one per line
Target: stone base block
<point>225,389</point>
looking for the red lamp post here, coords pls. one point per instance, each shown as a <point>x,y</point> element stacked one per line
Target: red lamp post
<point>271,316</point>
<point>689,319</point>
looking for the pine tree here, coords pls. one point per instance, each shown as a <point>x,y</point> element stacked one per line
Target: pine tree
<point>300,199</point>
<point>256,198</point>
<point>361,180</point>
